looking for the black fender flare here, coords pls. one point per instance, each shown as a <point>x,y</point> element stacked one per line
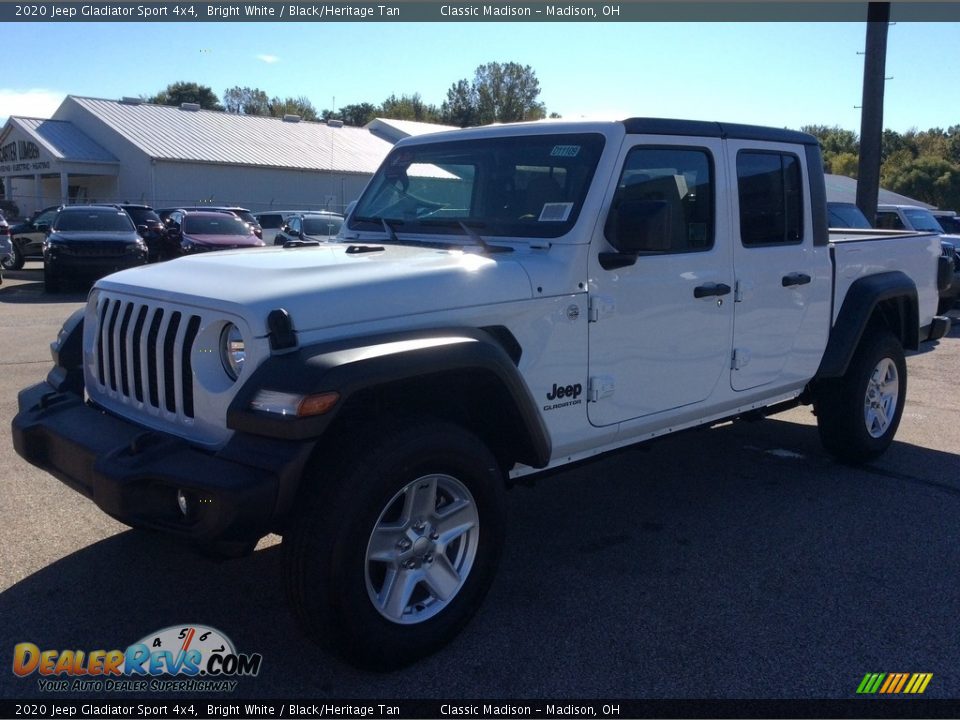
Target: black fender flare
<point>863,297</point>
<point>361,363</point>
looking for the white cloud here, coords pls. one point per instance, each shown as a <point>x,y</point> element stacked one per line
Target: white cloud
<point>36,102</point>
<point>268,59</point>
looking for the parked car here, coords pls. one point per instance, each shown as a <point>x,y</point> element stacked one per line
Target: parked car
<point>910,217</point>
<point>150,227</point>
<point>272,221</point>
<point>87,242</point>
<point>948,220</point>
<point>28,236</point>
<point>6,247</point>
<point>846,215</point>
<point>240,212</point>
<point>315,226</point>
<point>206,230</point>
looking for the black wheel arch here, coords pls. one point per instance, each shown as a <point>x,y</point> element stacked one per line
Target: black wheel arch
<point>887,299</point>
<point>466,375</point>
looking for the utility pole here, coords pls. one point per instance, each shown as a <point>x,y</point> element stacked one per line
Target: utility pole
<point>871,114</point>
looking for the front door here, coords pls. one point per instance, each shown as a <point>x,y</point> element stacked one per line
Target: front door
<point>661,328</point>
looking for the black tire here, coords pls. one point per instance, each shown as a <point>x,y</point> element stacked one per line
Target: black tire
<point>17,260</point>
<point>332,582</point>
<point>855,427</point>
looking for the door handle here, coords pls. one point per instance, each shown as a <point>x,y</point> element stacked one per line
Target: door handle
<point>711,289</point>
<point>796,278</point>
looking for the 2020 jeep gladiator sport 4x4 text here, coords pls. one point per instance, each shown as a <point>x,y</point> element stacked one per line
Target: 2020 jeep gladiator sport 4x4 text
<point>502,301</point>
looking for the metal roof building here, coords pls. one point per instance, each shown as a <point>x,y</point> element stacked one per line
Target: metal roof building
<point>95,150</point>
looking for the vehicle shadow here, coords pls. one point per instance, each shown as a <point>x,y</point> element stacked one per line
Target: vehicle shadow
<point>742,545</point>
<point>33,292</point>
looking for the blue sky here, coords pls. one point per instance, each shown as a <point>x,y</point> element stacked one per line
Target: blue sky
<point>779,74</point>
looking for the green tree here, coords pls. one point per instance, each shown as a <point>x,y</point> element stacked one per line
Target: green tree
<point>246,101</point>
<point>499,92</point>
<point>358,114</point>
<point>930,179</point>
<point>187,92</point>
<point>409,107</point>
<point>460,107</point>
<point>834,140</point>
<point>845,163</point>
<point>292,106</point>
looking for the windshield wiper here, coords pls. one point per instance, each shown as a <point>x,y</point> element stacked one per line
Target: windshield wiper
<point>471,233</point>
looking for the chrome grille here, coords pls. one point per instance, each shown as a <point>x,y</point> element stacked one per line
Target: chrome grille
<point>143,355</point>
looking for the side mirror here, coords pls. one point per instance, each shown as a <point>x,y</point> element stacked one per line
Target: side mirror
<point>142,229</point>
<point>43,227</point>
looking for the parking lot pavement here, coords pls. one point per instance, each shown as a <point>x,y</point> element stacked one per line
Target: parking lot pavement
<point>734,562</point>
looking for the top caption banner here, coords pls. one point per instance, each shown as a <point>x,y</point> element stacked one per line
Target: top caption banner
<point>438,11</point>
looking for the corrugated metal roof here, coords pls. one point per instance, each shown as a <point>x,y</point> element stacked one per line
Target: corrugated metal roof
<point>841,188</point>
<point>168,133</point>
<point>64,140</point>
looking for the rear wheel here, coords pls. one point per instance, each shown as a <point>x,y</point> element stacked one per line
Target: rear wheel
<point>858,415</point>
<point>390,557</point>
<point>16,260</point>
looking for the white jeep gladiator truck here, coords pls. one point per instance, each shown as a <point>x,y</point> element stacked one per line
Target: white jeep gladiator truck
<point>502,301</point>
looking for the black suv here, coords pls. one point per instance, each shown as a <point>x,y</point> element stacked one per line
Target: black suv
<point>150,227</point>
<point>87,242</point>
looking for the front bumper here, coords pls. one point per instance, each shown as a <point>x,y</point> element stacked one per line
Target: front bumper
<point>236,494</point>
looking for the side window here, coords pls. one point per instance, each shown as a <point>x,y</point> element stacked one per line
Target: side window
<point>270,221</point>
<point>295,225</point>
<point>887,220</point>
<point>664,202</point>
<point>771,200</point>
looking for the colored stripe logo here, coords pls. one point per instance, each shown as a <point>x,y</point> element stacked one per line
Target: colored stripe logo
<point>894,683</point>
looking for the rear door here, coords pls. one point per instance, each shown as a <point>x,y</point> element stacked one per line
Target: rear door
<point>783,281</point>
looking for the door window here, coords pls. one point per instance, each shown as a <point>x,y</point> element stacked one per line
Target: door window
<point>666,194</point>
<point>771,199</point>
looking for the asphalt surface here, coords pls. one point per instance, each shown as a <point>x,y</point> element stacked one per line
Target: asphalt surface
<point>735,562</point>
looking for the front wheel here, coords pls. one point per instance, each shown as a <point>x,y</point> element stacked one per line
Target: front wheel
<point>858,415</point>
<point>389,557</point>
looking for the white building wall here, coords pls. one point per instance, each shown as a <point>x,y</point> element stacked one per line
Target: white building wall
<point>133,183</point>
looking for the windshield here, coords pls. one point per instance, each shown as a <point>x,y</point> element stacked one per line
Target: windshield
<point>321,226</point>
<point>923,220</point>
<point>215,225</point>
<point>94,221</point>
<point>528,186</point>
<point>846,216</point>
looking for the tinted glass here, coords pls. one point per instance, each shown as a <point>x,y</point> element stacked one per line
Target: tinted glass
<point>922,220</point>
<point>93,221</point>
<point>887,220</point>
<point>321,226</point>
<point>771,201</point>
<point>949,223</point>
<point>842,215</point>
<point>673,189</point>
<point>215,225</point>
<point>270,221</point>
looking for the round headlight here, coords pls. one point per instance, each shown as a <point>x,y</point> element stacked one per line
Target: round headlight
<point>232,350</point>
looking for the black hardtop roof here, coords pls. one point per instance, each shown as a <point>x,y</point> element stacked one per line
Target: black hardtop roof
<point>704,128</point>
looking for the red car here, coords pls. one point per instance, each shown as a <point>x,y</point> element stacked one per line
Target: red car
<point>193,232</point>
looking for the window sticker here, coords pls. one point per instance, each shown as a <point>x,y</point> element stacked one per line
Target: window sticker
<point>555,212</point>
<point>567,151</point>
